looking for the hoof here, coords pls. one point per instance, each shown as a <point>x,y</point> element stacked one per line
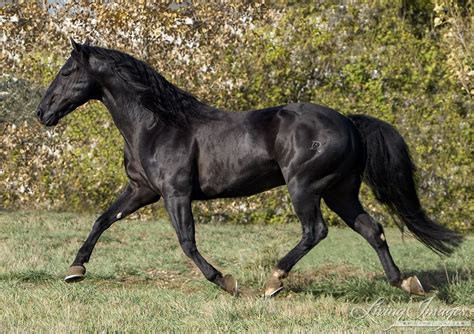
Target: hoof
<point>75,274</point>
<point>274,284</point>
<point>413,286</point>
<point>273,287</point>
<point>229,284</point>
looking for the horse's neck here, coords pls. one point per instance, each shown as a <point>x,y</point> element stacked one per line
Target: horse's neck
<point>124,113</point>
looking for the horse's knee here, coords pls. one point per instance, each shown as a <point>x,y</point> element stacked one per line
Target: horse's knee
<point>189,247</point>
<point>323,232</point>
<point>315,235</point>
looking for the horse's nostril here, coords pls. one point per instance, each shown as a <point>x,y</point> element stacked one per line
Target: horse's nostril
<point>39,112</point>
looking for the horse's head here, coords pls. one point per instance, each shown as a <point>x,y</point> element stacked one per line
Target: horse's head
<point>73,86</point>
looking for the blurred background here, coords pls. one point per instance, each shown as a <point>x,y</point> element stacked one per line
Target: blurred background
<point>407,62</point>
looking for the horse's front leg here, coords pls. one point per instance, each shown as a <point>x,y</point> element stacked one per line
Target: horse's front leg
<point>179,209</point>
<point>132,198</point>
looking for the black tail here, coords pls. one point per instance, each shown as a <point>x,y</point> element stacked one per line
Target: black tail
<point>389,171</point>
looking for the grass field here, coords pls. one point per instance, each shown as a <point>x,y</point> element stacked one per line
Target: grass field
<point>138,279</point>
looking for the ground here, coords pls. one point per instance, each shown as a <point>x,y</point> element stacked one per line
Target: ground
<point>138,279</point>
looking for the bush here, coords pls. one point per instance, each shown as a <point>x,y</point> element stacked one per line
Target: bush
<point>398,62</point>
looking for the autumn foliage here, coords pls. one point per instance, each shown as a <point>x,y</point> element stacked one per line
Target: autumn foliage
<point>407,62</point>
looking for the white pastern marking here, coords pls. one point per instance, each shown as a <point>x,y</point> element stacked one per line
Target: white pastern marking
<point>119,215</point>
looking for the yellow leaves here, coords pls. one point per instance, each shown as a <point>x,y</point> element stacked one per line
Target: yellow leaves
<point>239,56</point>
<point>458,37</point>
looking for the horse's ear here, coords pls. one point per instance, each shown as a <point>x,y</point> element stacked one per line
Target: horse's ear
<point>80,52</point>
<point>76,46</point>
<point>88,41</point>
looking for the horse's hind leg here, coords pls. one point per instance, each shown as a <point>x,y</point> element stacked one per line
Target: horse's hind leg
<point>307,208</point>
<point>343,200</point>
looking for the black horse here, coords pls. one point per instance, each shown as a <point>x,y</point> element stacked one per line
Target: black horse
<point>181,149</point>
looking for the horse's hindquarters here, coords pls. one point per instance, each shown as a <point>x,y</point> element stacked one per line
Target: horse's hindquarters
<point>316,142</point>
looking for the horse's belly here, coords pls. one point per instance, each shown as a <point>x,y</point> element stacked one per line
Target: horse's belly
<point>244,182</point>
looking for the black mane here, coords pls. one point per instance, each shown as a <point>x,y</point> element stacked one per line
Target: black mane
<point>170,104</point>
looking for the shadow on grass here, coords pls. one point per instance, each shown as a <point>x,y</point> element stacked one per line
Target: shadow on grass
<point>344,283</point>
<point>436,279</point>
<point>451,286</point>
<point>130,278</point>
<point>42,276</point>
<point>28,276</point>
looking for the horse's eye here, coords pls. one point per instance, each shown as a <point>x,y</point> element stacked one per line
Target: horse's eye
<point>66,73</point>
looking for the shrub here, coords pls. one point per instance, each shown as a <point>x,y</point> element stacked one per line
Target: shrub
<point>397,61</point>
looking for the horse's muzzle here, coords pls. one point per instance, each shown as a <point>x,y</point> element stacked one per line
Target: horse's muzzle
<point>39,114</point>
<point>51,120</point>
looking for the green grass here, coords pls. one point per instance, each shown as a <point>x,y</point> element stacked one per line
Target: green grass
<point>138,279</point>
